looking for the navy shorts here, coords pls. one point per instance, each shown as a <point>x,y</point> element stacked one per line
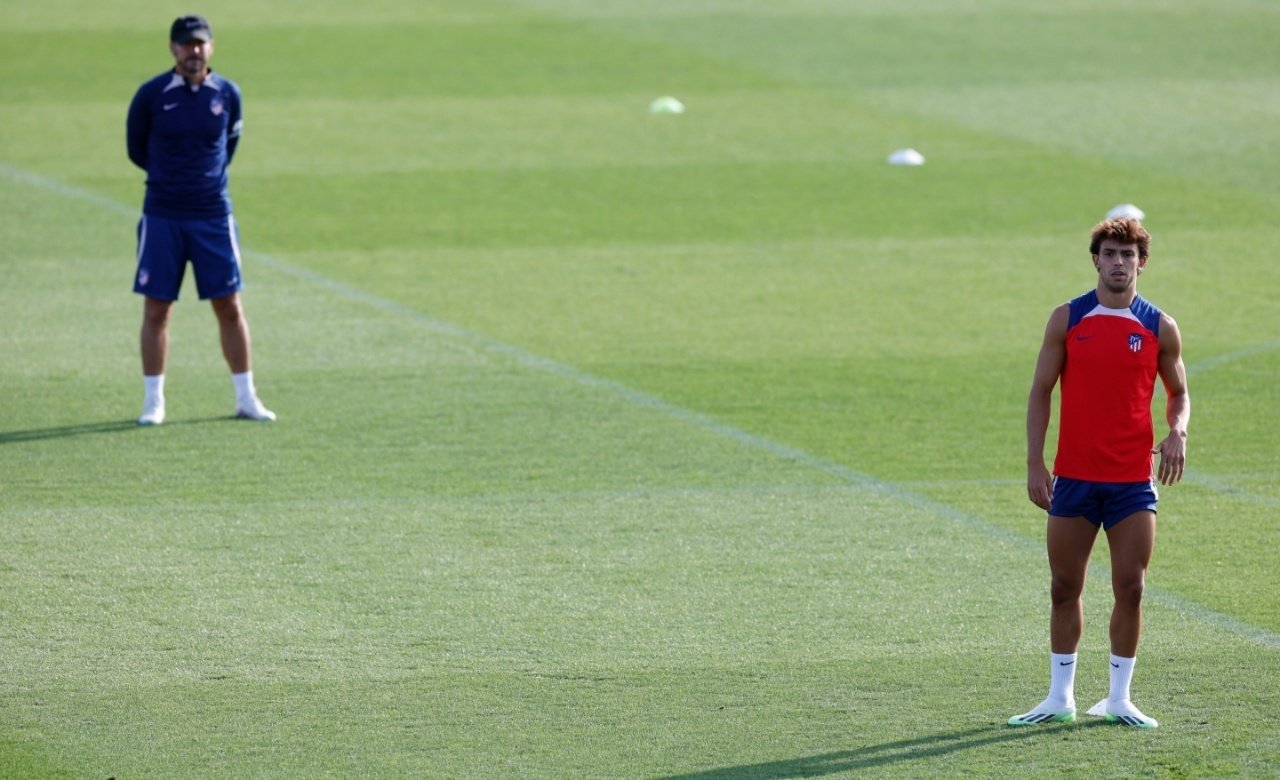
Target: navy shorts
<point>165,245</point>
<point>1101,503</point>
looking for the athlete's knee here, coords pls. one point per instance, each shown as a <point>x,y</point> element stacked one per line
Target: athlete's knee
<point>228,308</point>
<point>1064,589</point>
<point>1129,589</point>
<point>155,313</point>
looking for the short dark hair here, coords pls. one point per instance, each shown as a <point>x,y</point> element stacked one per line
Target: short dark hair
<point>1122,230</point>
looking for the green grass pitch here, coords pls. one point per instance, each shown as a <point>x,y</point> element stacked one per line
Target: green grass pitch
<point>625,445</point>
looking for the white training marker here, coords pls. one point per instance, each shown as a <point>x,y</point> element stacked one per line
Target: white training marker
<point>906,157</point>
<point>1126,210</point>
<point>666,105</point>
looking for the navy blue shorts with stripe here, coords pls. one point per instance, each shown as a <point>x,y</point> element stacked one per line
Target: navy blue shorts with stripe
<point>166,245</point>
<point>1101,503</point>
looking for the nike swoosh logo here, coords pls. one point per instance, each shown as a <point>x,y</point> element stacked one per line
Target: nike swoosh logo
<point>1065,663</point>
<point>168,106</point>
<point>1115,666</point>
<point>1081,338</point>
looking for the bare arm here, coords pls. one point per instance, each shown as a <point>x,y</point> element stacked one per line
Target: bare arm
<point>1177,412</point>
<point>1053,355</point>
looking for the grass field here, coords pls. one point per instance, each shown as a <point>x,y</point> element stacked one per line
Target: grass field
<point>623,445</point>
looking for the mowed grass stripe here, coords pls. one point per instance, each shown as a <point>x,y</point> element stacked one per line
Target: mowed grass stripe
<point>464,556</point>
<point>442,134</point>
<point>699,609</point>
<point>235,15</point>
<point>1218,143</point>
<point>873,339</point>
<point>690,204</point>
<point>737,435</point>
<point>794,123</point>
<point>1220,620</point>
<point>841,11</point>
<point>434,133</point>
<point>928,261</point>
<point>491,58</point>
<point>854,361</point>
<point>524,601</point>
<point>1015,48</point>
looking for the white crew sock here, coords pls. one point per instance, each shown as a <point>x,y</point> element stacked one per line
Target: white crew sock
<point>153,389</point>
<point>245,391</point>
<point>1062,678</point>
<point>1121,675</point>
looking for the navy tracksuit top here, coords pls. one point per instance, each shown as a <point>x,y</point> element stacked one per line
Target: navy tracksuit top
<point>184,139</point>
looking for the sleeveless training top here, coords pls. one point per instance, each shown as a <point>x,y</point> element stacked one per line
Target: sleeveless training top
<point>1105,429</point>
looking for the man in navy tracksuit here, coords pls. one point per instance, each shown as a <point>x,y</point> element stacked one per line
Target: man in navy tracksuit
<point>182,130</point>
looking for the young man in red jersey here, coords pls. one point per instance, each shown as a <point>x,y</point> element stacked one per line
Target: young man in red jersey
<point>1106,347</point>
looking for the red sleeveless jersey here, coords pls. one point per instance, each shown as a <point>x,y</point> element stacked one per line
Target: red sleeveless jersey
<point>1105,430</point>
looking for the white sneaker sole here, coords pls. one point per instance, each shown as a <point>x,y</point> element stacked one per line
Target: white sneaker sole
<point>257,415</point>
<point>1038,718</point>
<point>1138,721</point>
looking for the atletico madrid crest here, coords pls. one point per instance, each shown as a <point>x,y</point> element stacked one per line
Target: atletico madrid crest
<point>1135,342</point>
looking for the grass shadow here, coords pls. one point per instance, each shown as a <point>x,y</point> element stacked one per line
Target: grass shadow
<point>89,429</point>
<point>881,755</point>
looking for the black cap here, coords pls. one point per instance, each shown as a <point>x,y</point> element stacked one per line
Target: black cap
<point>190,27</point>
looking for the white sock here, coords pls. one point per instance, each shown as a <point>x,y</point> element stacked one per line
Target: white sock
<point>245,391</point>
<point>1121,675</point>
<point>1062,677</point>
<point>153,389</point>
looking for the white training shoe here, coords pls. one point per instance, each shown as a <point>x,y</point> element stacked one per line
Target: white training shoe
<point>1123,712</point>
<point>1046,711</point>
<point>152,412</point>
<point>254,410</point>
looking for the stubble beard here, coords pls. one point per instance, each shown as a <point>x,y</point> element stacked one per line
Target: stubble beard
<point>193,66</point>
<point>1115,285</point>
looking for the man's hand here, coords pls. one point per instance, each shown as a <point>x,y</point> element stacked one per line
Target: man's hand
<point>1039,485</point>
<point>1173,457</point>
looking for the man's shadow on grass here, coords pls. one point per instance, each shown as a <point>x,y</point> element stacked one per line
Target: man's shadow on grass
<point>89,429</point>
<point>884,754</point>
